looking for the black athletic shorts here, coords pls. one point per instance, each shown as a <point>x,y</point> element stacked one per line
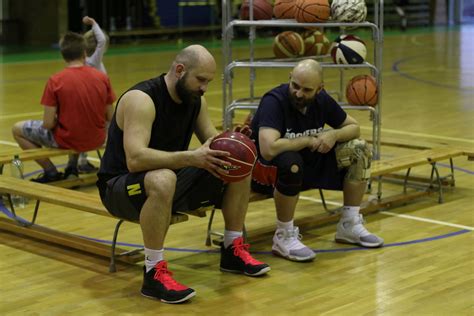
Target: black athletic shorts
<point>124,195</point>
<point>320,171</point>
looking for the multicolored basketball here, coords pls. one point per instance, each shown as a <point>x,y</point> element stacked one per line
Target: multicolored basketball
<point>243,154</point>
<point>262,10</point>
<point>362,90</point>
<point>348,10</point>
<point>348,49</point>
<point>312,11</point>
<point>284,9</point>
<point>288,44</point>
<point>315,43</point>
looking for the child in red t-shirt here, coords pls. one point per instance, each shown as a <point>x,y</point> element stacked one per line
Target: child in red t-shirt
<point>77,104</point>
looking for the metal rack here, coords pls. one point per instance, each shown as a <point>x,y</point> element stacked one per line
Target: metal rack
<point>230,105</point>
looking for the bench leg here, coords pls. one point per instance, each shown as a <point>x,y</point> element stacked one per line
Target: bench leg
<point>405,182</point>
<point>453,182</point>
<point>99,154</point>
<point>112,266</point>
<point>210,232</point>
<point>23,223</point>
<point>434,170</point>
<point>323,200</point>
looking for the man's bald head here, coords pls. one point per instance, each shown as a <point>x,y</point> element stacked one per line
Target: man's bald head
<point>309,69</point>
<point>306,80</point>
<point>193,56</point>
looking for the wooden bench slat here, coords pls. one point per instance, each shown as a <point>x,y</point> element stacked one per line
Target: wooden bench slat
<point>68,240</point>
<point>33,154</point>
<point>6,156</point>
<point>59,196</point>
<point>381,167</point>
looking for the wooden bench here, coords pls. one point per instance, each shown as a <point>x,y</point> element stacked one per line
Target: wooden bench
<point>77,200</point>
<point>379,169</point>
<point>6,157</point>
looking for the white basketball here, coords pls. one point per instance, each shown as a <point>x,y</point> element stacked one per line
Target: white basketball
<point>348,10</point>
<point>348,49</point>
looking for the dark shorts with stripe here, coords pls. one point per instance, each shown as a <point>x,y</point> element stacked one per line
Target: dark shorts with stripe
<point>124,195</point>
<point>319,171</point>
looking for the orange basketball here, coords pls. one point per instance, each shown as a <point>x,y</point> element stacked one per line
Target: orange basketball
<point>312,11</point>
<point>288,44</point>
<point>262,10</point>
<point>362,90</point>
<point>284,9</point>
<point>243,154</point>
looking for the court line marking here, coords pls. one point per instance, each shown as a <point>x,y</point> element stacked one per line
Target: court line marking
<point>307,198</point>
<point>19,115</point>
<point>426,220</point>
<point>5,142</point>
<point>4,210</point>
<point>415,218</point>
<point>408,75</point>
<point>471,141</point>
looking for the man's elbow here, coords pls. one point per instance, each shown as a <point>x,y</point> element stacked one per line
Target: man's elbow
<point>267,155</point>
<point>132,165</point>
<point>358,131</point>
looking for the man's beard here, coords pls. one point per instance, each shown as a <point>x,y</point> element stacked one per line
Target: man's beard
<point>185,94</point>
<point>299,103</point>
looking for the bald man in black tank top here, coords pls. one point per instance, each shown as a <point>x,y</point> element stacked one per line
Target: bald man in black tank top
<point>148,172</point>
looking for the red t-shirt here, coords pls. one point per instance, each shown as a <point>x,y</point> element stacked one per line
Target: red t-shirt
<point>81,95</point>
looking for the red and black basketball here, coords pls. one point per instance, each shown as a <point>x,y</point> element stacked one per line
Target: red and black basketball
<point>262,10</point>
<point>243,154</point>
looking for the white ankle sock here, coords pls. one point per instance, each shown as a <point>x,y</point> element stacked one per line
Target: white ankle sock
<point>229,236</point>
<point>350,211</point>
<point>152,257</point>
<point>285,225</point>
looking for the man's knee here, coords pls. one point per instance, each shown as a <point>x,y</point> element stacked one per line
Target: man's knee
<point>355,156</point>
<point>17,129</point>
<point>161,183</point>
<point>290,173</point>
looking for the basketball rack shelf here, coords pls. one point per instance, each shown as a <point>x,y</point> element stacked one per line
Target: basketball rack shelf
<point>230,105</point>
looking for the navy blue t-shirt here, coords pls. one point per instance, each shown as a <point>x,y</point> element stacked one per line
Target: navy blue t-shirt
<point>276,111</point>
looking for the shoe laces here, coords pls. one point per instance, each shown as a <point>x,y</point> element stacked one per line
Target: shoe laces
<point>163,275</point>
<point>291,237</point>
<point>241,250</point>
<point>357,227</point>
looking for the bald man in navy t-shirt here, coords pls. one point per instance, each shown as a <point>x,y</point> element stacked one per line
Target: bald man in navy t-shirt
<point>298,152</point>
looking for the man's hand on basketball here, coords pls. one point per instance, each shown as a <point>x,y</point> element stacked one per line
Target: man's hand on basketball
<point>245,129</point>
<point>210,159</point>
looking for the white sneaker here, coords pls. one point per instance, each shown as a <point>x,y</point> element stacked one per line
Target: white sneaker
<point>352,231</point>
<point>287,244</point>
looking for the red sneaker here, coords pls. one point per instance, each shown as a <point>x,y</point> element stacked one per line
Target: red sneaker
<point>237,259</point>
<point>158,284</point>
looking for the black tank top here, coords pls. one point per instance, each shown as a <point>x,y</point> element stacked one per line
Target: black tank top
<point>171,131</point>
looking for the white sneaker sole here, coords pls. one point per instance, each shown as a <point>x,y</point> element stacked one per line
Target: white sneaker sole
<point>359,243</point>
<point>276,252</point>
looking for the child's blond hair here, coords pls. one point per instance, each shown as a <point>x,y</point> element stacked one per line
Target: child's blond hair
<point>91,42</point>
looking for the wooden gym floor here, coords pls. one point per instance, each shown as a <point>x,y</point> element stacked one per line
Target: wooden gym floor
<point>426,267</point>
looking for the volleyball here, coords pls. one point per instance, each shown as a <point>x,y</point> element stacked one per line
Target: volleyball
<point>348,10</point>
